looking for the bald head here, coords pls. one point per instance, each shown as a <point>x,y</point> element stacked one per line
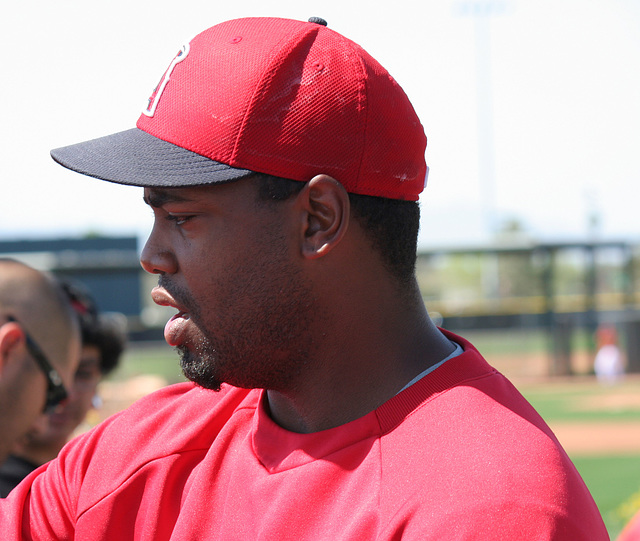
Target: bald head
<point>36,300</point>
<point>40,308</point>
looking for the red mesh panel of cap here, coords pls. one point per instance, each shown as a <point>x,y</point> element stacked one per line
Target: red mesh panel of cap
<point>308,116</point>
<point>395,138</point>
<point>292,99</point>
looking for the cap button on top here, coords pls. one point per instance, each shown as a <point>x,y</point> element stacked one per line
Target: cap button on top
<point>318,20</point>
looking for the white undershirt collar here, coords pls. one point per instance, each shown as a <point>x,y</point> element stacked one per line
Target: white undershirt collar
<point>455,353</point>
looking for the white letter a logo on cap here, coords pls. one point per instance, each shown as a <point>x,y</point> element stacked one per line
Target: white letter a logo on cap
<point>157,93</point>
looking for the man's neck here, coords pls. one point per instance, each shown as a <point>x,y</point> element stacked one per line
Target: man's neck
<point>363,367</point>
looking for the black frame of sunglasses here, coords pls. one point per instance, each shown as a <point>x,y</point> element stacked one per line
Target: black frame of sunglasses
<point>56,391</point>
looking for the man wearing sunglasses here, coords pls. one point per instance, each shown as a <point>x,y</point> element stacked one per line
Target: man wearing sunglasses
<point>39,348</point>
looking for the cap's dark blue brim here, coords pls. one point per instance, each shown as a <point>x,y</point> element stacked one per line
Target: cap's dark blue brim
<point>135,158</point>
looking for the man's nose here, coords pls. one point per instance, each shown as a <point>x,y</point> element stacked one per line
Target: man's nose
<point>156,258</point>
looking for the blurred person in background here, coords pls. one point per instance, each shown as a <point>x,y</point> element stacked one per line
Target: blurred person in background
<point>39,348</point>
<point>103,341</point>
<point>609,361</point>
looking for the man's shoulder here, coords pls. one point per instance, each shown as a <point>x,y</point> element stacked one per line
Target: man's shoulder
<point>474,452</point>
<point>467,419</point>
<point>174,425</point>
<point>182,394</point>
<point>175,407</point>
<point>467,408</point>
<point>172,421</point>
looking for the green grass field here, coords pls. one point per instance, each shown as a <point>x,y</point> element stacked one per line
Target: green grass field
<point>582,399</point>
<point>614,482</point>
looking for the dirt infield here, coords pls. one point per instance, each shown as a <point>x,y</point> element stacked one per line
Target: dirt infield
<point>598,437</point>
<point>584,395</point>
<point>619,438</point>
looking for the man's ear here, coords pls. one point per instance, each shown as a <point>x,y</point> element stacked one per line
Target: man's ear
<point>11,337</point>
<point>326,210</point>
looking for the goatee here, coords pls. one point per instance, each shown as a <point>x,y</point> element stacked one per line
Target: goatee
<point>197,366</point>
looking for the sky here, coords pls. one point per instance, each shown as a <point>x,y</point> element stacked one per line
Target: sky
<point>531,107</point>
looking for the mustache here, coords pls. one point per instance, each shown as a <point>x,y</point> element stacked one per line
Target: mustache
<point>182,296</point>
<point>179,294</point>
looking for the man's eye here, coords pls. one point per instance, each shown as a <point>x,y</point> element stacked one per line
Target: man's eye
<point>179,219</point>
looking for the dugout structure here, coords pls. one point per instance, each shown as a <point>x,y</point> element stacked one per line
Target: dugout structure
<point>558,287</point>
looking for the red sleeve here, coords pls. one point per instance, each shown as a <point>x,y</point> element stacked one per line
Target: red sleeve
<point>44,501</point>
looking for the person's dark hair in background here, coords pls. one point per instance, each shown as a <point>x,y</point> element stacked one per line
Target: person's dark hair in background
<point>105,331</point>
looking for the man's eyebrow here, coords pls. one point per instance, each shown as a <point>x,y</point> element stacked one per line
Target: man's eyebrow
<point>158,198</point>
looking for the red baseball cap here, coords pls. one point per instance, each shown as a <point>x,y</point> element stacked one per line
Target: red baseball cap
<point>277,96</point>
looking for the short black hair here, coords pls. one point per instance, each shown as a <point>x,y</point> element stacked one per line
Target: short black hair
<point>103,331</point>
<point>110,338</point>
<point>391,224</point>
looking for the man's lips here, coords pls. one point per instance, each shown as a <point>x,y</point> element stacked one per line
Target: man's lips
<point>173,330</point>
<point>163,298</point>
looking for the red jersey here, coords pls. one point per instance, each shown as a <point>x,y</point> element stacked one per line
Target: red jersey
<point>458,455</point>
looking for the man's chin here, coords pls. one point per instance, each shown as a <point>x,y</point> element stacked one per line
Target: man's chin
<point>197,369</point>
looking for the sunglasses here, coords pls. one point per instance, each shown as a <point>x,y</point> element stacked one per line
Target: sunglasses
<point>56,391</point>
